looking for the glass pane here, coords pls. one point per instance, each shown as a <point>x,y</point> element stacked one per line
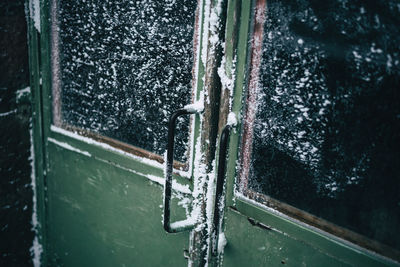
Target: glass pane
<point>124,67</point>
<point>327,127</point>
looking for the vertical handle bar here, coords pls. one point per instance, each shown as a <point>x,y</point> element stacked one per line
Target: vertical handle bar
<point>169,168</point>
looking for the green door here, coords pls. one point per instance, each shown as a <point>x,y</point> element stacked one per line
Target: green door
<point>310,87</point>
<point>109,76</point>
<point>312,169</point>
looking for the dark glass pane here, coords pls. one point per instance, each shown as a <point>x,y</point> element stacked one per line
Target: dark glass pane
<point>125,66</point>
<point>327,129</point>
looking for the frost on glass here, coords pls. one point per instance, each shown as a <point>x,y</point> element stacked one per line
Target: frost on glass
<point>327,129</point>
<point>125,66</point>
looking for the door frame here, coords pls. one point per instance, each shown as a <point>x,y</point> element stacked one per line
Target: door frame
<point>239,28</point>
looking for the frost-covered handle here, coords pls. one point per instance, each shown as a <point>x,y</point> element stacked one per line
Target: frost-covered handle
<point>219,194</point>
<point>218,204</point>
<point>169,167</point>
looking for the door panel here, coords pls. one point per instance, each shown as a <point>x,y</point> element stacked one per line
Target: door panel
<point>298,177</point>
<point>298,242</point>
<point>103,215</point>
<point>267,246</point>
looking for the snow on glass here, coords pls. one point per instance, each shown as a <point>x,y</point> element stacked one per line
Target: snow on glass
<point>328,111</point>
<point>125,67</point>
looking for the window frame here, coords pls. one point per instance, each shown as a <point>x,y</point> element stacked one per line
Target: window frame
<point>184,168</point>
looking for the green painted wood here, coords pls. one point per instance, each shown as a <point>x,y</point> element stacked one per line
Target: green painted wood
<point>311,238</point>
<point>37,130</point>
<point>242,27</point>
<point>45,68</point>
<point>45,97</point>
<point>102,215</point>
<point>117,158</point>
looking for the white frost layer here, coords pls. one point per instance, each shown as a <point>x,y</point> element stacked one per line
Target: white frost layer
<point>175,185</point>
<point>232,121</point>
<point>211,186</point>
<point>226,81</point>
<point>8,113</point>
<point>188,174</point>
<point>36,249</point>
<point>20,93</point>
<point>214,22</point>
<point>196,107</point>
<point>34,8</point>
<point>221,242</point>
<point>205,21</point>
<point>69,147</point>
<point>105,146</point>
<point>184,223</point>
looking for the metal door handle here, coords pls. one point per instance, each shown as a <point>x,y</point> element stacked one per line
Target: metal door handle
<point>168,173</point>
<point>218,205</point>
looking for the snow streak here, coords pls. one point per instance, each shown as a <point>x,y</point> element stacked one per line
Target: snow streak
<point>36,249</point>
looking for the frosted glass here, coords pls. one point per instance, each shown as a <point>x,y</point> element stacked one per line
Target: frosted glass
<point>125,66</point>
